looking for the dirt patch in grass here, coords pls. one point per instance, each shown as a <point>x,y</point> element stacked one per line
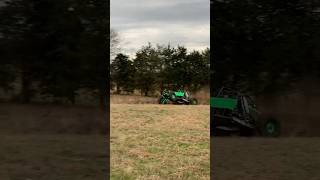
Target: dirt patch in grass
<point>159,142</point>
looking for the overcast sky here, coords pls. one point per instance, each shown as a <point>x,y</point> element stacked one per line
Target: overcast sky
<point>183,22</point>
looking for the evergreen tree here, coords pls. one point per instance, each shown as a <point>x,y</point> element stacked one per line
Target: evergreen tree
<point>148,66</point>
<point>122,73</point>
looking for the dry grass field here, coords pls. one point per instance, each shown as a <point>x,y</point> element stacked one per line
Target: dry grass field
<point>159,142</point>
<point>51,119</point>
<point>148,142</point>
<point>132,99</point>
<point>53,157</point>
<point>235,158</point>
<point>203,97</point>
<point>52,142</point>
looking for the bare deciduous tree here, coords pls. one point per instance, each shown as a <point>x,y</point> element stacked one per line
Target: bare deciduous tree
<point>114,43</point>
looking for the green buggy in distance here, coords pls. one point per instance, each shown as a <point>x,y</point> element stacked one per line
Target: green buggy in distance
<point>177,97</point>
<point>233,112</point>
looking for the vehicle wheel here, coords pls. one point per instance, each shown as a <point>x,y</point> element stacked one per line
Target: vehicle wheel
<point>194,102</point>
<point>271,128</point>
<point>173,97</point>
<point>163,100</point>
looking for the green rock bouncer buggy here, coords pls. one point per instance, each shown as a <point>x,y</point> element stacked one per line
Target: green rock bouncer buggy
<point>177,97</point>
<point>236,113</point>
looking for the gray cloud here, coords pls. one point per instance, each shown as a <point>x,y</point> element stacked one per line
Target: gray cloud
<point>183,22</point>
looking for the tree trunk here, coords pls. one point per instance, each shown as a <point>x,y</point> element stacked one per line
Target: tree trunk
<point>118,91</point>
<point>146,92</point>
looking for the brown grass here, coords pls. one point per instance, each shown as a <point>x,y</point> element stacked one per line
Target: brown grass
<point>203,97</point>
<point>132,99</point>
<point>61,119</point>
<point>44,142</point>
<point>159,142</point>
<point>265,159</point>
<point>52,157</point>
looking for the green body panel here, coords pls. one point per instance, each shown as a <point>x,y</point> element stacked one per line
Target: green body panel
<point>179,93</point>
<point>225,103</point>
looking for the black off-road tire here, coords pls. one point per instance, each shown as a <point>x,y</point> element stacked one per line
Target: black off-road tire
<point>270,128</point>
<point>163,100</point>
<point>194,101</point>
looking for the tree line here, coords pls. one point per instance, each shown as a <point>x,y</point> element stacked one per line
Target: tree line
<point>155,68</point>
<point>264,46</point>
<point>54,48</point>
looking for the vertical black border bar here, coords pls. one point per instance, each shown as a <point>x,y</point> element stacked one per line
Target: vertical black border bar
<point>211,88</point>
<point>107,82</point>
